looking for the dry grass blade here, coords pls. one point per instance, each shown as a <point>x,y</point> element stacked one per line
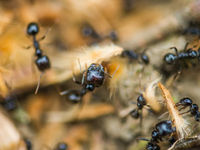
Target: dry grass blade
<point>9,136</point>
<point>182,127</point>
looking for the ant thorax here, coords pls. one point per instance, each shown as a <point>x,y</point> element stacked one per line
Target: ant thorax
<point>95,75</point>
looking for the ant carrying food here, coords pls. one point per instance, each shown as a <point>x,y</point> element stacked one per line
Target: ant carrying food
<point>42,61</point>
<point>162,129</point>
<point>92,78</point>
<point>131,55</point>
<point>194,108</point>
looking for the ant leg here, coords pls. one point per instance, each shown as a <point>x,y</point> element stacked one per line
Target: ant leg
<point>64,92</point>
<point>175,49</point>
<point>38,85</point>
<point>185,47</point>
<point>143,139</point>
<point>185,112</point>
<point>162,115</point>
<point>76,81</point>
<point>44,36</point>
<point>141,118</point>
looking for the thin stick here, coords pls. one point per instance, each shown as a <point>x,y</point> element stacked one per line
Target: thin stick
<point>38,85</point>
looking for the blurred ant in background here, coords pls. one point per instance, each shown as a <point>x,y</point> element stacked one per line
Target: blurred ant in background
<point>194,108</point>
<point>42,61</point>
<point>93,77</point>
<point>131,55</point>
<point>89,32</point>
<point>28,144</point>
<point>161,130</point>
<point>137,112</point>
<point>174,63</point>
<point>61,146</point>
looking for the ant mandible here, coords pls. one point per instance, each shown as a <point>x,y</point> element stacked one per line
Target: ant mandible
<point>194,108</point>
<point>42,61</point>
<point>92,78</point>
<point>162,129</point>
<point>131,55</point>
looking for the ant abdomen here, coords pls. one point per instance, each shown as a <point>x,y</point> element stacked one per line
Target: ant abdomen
<point>43,63</point>
<point>135,114</point>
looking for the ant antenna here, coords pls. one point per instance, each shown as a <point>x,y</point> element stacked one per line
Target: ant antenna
<point>143,139</point>
<point>111,76</point>
<point>38,85</point>
<point>49,29</point>
<point>185,47</point>
<point>175,49</point>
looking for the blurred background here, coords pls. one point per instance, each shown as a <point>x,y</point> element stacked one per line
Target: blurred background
<point>89,30</point>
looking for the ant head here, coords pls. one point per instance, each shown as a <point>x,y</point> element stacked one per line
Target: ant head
<point>170,58</point>
<point>192,54</point>
<point>130,54</point>
<point>61,146</point>
<point>194,109</point>
<point>165,127</point>
<point>197,116</point>
<point>135,113</point>
<point>10,102</point>
<point>185,101</point>
<point>141,101</point>
<point>90,87</point>
<point>113,36</point>
<point>42,63</point>
<point>32,29</point>
<point>155,135</point>
<point>152,146</point>
<point>74,96</point>
<point>145,58</point>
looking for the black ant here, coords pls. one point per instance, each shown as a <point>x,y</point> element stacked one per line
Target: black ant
<point>171,58</point>
<point>194,108</point>
<point>141,102</point>
<point>162,129</point>
<point>28,144</point>
<point>42,61</point>
<point>131,55</point>
<point>92,78</point>
<point>61,146</point>
<point>89,31</point>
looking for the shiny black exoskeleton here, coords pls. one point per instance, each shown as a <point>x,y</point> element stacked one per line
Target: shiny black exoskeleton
<point>162,129</point>
<point>61,146</point>
<point>194,108</point>
<point>92,78</point>
<point>141,102</point>
<point>42,61</point>
<point>131,55</point>
<point>186,54</point>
